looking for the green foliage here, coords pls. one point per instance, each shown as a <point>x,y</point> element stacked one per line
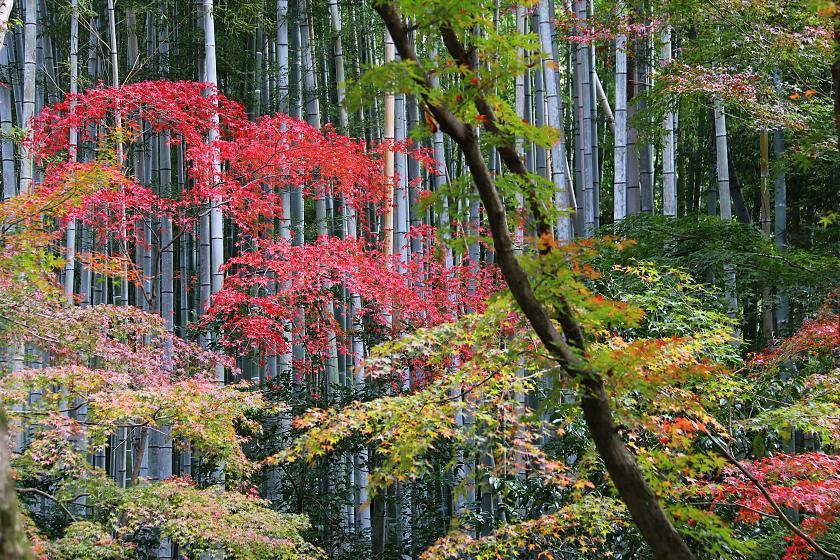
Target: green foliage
<point>497,56</point>
<point>816,418</point>
<point>701,246</point>
<point>242,526</point>
<point>470,371</point>
<point>126,522</point>
<point>585,527</point>
<point>675,305</point>
<point>86,540</point>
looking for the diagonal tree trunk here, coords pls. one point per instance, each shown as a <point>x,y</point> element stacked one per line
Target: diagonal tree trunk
<point>646,511</point>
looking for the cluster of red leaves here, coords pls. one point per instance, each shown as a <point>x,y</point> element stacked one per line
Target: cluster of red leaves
<point>808,482</point>
<point>106,116</point>
<point>817,337</point>
<point>276,295</point>
<point>185,109</point>
<point>276,153</point>
<point>680,431</point>
<point>243,170</point>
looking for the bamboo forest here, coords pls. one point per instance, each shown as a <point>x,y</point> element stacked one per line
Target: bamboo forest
<point>420,279</point>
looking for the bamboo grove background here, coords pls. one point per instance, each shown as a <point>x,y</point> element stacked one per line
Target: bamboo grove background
<point>627,151</point>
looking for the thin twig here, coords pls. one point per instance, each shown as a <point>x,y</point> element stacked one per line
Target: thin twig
<point>752,509</point>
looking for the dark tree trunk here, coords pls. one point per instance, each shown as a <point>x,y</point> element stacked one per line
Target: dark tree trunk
<point>738,204</point>
<point>140,446</point>
<point>377,527</point>
<point>13,543</point>
<point>651,519</point>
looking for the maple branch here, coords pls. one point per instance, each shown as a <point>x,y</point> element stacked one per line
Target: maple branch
<point>752,509</point>
<point>47,413</point>
<point>43,494</point>
<point>29,329</point>
<point>127,426</point>
<point>507,151</point>
<point>767,496</point>
<point>8,226</point>
<point>291,479</point>
<point>78,497</point>
<point>464,392</point>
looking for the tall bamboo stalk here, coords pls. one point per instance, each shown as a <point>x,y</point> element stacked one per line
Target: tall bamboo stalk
<point>780,216</point>
<point>388,220</point>
<point>724,197</point>
<point>620,153</point>
<point>645,148</point>
<point>584,122</point>
<point>520,108</point>
<point>669,178</point>
<point>5,13</point>
<point>29,76</point>
<point>554,105</point>
<point>167,273</point>
<point>70,246</point>
<point>7,147</point>
<point>122,299</point>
